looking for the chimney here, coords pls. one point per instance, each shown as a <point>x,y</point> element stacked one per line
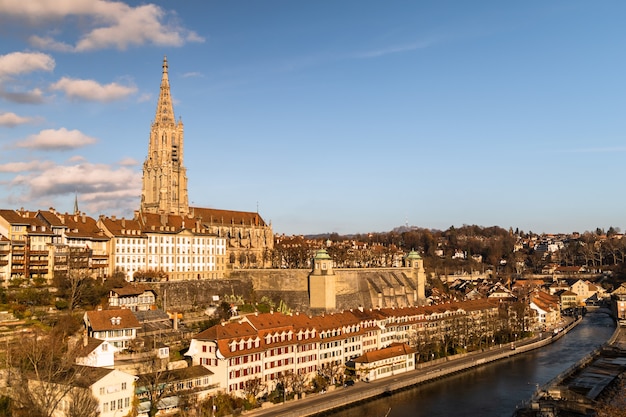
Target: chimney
<point>123,222</point>
<point>85,338</point>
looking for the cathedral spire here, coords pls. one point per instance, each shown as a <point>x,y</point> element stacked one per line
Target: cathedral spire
<point>165,109</point>
<point>164,188</point>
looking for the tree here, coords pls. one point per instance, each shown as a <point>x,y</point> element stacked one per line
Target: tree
<point>41,374</point>
<point>82,403</point>
<point>155,382</point>
<point>252,388</point>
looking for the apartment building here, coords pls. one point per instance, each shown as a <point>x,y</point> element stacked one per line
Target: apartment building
<point>171,246</point>
<point>272,345</point>
<point>24,247</point>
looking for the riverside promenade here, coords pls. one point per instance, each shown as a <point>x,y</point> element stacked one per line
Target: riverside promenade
<point>315,404</point>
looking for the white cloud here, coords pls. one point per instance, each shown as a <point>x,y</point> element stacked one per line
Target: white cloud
<point>77,158</point>
<point>17,63</point>
<point>108,24</point>
<point>34,96</point>
<point>128,162</point>
<point>25,166</point>
<point>100,187</point>
<point>49,44</point>
<point>92,90</point>
<point>61,139</point>
<point>12,120</point>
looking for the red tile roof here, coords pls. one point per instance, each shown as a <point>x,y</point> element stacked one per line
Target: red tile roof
<point>392,351</point>
<point>100,320</point>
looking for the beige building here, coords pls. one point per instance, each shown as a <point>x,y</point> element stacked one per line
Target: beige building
<point>169,246</point>
<point>24,247</point>
<point>249,239</point>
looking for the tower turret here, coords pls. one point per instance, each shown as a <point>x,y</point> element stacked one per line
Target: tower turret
<point>322,282</point>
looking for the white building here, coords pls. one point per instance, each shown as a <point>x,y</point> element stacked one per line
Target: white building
<point>118,327</point>
<point>396,359</point>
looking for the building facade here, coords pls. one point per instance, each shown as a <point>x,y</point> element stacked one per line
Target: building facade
<point>271,346</point>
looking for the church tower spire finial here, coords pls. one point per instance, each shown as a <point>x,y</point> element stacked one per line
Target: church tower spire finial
<point>165,108</point>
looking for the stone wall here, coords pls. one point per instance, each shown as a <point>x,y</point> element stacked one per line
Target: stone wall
<point>367,288</point>
<point>198,295</point>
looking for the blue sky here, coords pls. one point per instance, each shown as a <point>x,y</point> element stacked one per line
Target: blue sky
<point>329,116</point>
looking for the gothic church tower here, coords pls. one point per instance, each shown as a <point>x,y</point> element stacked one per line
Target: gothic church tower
<point>164,187</point>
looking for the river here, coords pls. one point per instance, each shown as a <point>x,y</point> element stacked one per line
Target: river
<point>493,390</point>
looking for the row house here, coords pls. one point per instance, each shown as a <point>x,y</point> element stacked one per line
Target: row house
<point>546,308</point>
<point>24,247</point>
<point>270,346</point>
<point>618,304</point>
<point>178,388</point>
<point>175,246</point>
<point>127,247</point>
<point>112,391</point>
<point>5,258</point>
<point>393,360</point>
<point>135,297</point>
<point>584,290</point>
<point>567,299</point>
<point>79,245</point>
<point>45,244</point>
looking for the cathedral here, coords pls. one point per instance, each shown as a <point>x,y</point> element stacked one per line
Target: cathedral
<point>249,239</point>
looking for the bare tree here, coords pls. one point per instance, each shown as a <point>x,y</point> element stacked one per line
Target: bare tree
<point>155,383</point>
<point>41,375</point>
<point>252,388</point>
<point>297,382</point>
<point>332,371</point>
<point>82,403</point>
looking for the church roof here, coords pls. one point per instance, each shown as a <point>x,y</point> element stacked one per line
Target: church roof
<point>216,217</point>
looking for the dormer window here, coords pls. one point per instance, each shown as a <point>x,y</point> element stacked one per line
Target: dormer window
<point>116,320</point>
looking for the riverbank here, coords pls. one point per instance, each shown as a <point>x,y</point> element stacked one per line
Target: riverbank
<point>318,404</point>
<point>585,385</point>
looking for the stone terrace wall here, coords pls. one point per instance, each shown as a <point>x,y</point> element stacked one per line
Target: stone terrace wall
<point>367,288</point>
<point>197,295</point>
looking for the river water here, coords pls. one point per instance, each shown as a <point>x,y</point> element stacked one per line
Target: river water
<point>494,390</point>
